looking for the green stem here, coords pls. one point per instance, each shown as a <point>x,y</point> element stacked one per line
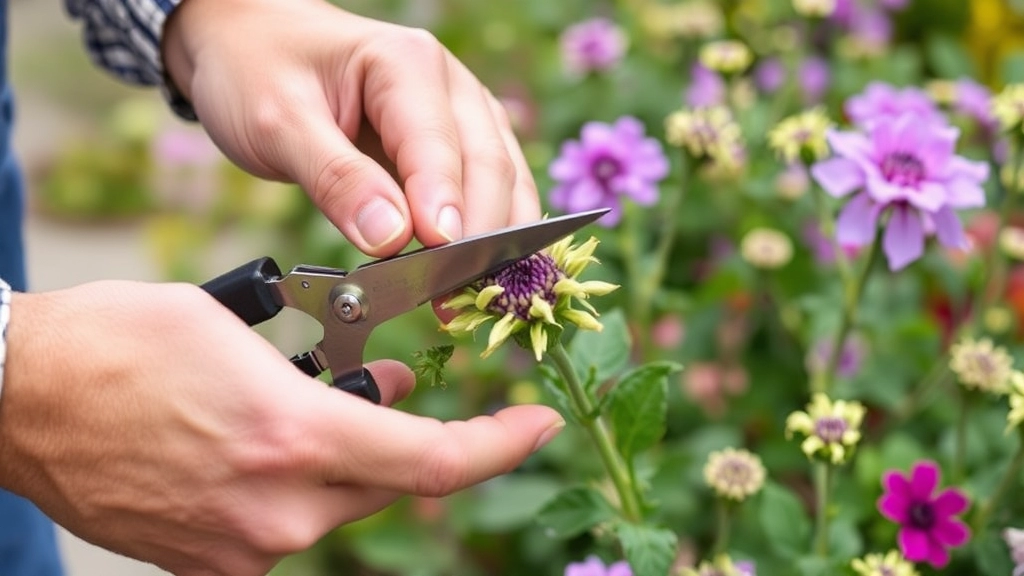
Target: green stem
<point>938,375</point>
<point>827,225</point>
<point>851,301</point>
<point>723,514</point>
<point>1010,478</point>
<point>960,449</point>
<point>599,433</point>
<point>822,491</point>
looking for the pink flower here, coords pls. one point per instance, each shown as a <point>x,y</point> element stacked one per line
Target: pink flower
<point>881,102</point>
<point>595,45</point>
<point>707,88</point>
<point>593,566</point>
<point>927,524</point>
<point>607,162</point>
<point>908,168</point>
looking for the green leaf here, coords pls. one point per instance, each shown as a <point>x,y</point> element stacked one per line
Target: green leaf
<point>607,351</point>
<point>784,521</point>
<point>638,407</point>
<point>429,364</point>
<point>991,554</point>
<point>512,501</point>
<point>948,57</point>
<point>574,511</point>
<point>650,551</point>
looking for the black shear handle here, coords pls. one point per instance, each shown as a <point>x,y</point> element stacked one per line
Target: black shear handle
<point>246,290</point>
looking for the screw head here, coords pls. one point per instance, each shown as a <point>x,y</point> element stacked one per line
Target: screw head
<point>347,307</point>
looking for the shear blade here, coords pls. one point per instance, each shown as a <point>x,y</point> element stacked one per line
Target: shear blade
<point>404,282</point>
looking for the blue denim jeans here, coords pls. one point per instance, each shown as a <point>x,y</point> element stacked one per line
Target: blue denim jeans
<point>28,545</point>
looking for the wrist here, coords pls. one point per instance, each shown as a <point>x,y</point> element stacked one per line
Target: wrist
<point>14,404</point>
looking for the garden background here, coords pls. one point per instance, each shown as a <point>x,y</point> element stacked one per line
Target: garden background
<point>119,188</point>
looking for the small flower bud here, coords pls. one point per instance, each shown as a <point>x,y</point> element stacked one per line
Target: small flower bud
<point>815,8</point>
<point>766,248</point>
<point>728,57</point>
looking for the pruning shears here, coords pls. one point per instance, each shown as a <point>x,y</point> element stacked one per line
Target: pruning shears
<point>350,304</point>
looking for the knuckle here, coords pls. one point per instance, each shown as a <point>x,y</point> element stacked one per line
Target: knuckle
<point>442,469</point>
<point>497,160</point>
<point>277,446</point>
<point>287,536</point>
<point>419,42</point>
<point>335,180</point>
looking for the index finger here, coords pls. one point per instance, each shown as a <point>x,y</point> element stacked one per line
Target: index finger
<point>385,448</point>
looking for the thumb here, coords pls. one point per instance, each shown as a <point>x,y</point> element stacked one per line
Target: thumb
<point>352,190</point>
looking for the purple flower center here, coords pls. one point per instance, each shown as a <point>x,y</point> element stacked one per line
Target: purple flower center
<point>921,515</point>
<point>903,168</point>
<point>536,275</point>
<point>830,429</point>
<point>605,168</point>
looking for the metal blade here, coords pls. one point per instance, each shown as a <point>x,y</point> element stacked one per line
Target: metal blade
<point>399,284</point>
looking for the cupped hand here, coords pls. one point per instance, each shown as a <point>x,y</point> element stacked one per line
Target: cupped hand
<point>301,90</point>
<point>151,421</point>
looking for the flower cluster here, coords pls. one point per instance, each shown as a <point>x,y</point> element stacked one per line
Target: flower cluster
<point>890,564</point>
<point>981,365</point>
<point>801,138</point>
<point>766,248</point>
<point>831,430</point>
<point>533,294</point>
<point>734,474</point>
<point>710,135</point>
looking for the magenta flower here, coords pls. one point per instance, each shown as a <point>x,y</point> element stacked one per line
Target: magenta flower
<point>909,169</point>
<point>594,45</point>
<point>593,566</point>
<point>607,162</point>
<point>927,524</point>
<point>881,102</point>
<point>706,88</point>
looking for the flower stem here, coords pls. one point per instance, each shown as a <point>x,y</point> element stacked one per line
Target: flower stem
<point>1010,478</point>
<point>822,491</point>
<point>827,226</point>
<point>599,433</point>
<point>723,513</point>
<point>960,449</point>
<point>852,296</point>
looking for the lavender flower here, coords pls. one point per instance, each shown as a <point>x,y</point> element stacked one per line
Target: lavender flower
<point>706,88</point>
<point>881,103</point>
<point>814,77</point>
<point>595,45</point>
<point>850,358</point>
<point>909,169</point>
<point>605,164</point>
<point>593,566</point>
<point>769,75</point>
<point>975,101</point>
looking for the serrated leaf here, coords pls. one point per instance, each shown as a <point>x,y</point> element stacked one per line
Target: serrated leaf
<point>637,407</point>
<point>574,511</point>
<point>784,521</point>
<point>607,351</point>
<point>649,550</point>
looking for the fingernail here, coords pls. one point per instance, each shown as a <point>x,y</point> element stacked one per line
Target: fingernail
<point>449,223</point>
<point>379,222</point>
<point>549,434</point>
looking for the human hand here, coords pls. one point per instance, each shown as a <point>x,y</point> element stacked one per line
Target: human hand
<point>301,90</point>
<point>148,419</point>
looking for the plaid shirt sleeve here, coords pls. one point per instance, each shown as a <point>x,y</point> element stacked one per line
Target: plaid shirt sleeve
<point>123,36</point>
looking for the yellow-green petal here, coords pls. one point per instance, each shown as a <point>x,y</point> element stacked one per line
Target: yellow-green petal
<point>582,319</point>
<point>464,300</point>
<point>499,333</point>
<point>483,299</point>
<point>799,422</point>
<point>539,340</point>
<point>540,308</point>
